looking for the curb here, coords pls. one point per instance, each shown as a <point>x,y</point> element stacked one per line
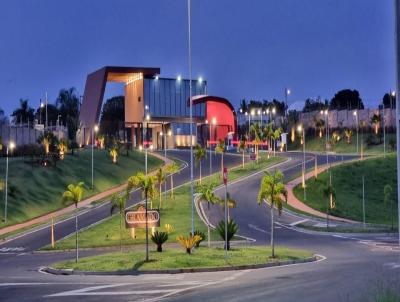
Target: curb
<point>58,272</point>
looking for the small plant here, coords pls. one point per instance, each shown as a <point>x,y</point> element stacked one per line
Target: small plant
<point>168,228</point>
<point>114,154</point>
<point>159,238</point>
<point>202,235</point>
<point>232,230</point>
<point>62,148</point>
<point>189,242</point>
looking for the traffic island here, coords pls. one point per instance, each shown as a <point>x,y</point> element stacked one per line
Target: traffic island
<point>173,261</point>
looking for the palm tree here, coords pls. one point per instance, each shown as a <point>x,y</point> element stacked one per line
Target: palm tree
<point>24,113</point>
<point>74,194</point>
<point>171,169</point>
<point>119,202</point>
<point>375,121</point>
<point>230,202</point>
<point>271,189</point>
<point>160,175</point>
<point>319,126</point>
<point>146,184</point>
<point>199,154</point>
<point>206,192</point>
<point>257,132</point>
<point>68,104</point>
<point>47,139</point>
<point>267,134</point>
<point>62,147</point>
<point>387,192</point>
<point>348,133</point>
<point>275,136</point>
<point>220,149</point>
<point>242,147</point>
<point>114,154</point>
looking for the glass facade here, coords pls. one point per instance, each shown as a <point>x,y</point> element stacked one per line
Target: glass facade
<point>169,97</point>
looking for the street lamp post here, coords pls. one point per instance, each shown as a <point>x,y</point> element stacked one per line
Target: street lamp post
<point>355,113</point>
<point>325,114</point>
<point>303,168</point>
<point>95,129</point>
<point>287,93</point>
<point>10,146</point>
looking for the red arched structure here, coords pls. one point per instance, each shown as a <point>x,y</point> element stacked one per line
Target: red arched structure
<point>220,110</point>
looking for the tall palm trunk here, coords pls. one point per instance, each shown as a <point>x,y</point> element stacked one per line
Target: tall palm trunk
<point>160,196</point>
<point>147,230</point>
<point>272,232</point>
<point>200,171</point>
<point>222,163</point>
<point>242,159</point>
<point>76,234</point>
<point>172,186</point>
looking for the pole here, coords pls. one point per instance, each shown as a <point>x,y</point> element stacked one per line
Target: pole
<point>92,158</point>
<point>397,45</point>
<point>147,231</point>
<point>165,155</point>
<point>191,111</point>
<point>384,133</point>
<point>363,199</point>
<point>226,220</point>
<point>47,123</point>
<point>52,233</point>
<point>76,235</point>
<point>210,152</point>
<point>6,193</point>
<point>357,129</point>
<point>304,164</point>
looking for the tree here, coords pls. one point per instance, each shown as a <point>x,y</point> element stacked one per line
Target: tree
<point>275,136</point>
<point>49,141</point>
<point>159,238</point>
<point>114,154</point>
<point>146,184</point>
<point>52,114</point>
<point>119,202</point>
<point>243,106</point>
<point>112,116</point>
<point>74,194</point>
<point>220,149</point>
<point>346,99</point>
<point>23,114</point>
<point>349,134</point>
<point>268,132</point>
<point>199,154</point>
<point>256,130</point>
<point>375,121</point>
<point>389,101</point>
<point>171,169</point>
<point>160,175</point>
<point>206,192</point>
<point>242,147</point>
<point>232,229</point>
<point>272,189</point>
<point>387,192</point>
<point>311,105</point>
<point>62,146</point>
<point>68,105</point>
<point>230,202</point>
<point>319,125</point>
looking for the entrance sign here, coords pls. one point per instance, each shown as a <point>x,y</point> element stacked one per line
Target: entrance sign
<point>137,219</point>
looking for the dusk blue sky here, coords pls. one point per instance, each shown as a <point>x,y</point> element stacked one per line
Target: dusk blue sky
<point>245,49</point>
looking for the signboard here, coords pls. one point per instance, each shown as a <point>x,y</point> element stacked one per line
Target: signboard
<point>137,219</point>
<point>225,174</point>
<point>252,156</point>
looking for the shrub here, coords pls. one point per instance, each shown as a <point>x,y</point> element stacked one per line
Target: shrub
<point>372,140</point>
<point>202,235</point>
<point>168,228</point>
<point>188,243</point>
<point>392,144</point>
<point>232,230</point>
<point>159,238</point>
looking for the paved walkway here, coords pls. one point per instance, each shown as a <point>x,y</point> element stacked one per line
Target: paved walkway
<point>299,205</point>
<point>71,208</point>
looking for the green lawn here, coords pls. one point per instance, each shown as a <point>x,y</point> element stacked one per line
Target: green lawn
<point>317,144</point>
<point>172,258</point>
<point>347,182</point>
<point>35,190</point>
<point>176,212</point>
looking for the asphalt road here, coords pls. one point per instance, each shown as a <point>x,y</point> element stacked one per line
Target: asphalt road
<point>352,268</point>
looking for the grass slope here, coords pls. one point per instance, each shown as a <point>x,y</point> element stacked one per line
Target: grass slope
<point>347,182</point>
<point>176,212</point>
<point>35,190</point>
<point>177,258</point>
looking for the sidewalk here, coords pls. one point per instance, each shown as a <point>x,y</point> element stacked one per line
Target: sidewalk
<point>86,202</point>
<point>297,204</point>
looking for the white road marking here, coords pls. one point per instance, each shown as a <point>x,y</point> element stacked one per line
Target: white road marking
<point>299,222</point>
<point>11,249</point>
<point>252,226</point>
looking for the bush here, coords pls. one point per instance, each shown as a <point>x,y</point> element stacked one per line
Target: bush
<point>372,140</point>
<point>232,230</point>
<point>188,243</point>
<point>392,144</point>
<point>202,235</point>
<point>159,238</point>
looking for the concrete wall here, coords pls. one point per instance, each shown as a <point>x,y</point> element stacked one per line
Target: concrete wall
<point>24,135</point>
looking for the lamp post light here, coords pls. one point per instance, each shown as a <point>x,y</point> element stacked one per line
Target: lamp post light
<point>287,93</point>
<point>355,113</point>
<point>40,112</point>
<point>95,129</point>
<point>10,146</point>
<point>146,143</point>
<point>300,128</point>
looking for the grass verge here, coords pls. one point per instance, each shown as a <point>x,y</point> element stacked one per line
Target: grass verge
<point>177,258</point>
<point>175,211</point>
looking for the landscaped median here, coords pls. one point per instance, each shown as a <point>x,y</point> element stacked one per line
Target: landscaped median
<point>175,213</point>
<point>173,260</point>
